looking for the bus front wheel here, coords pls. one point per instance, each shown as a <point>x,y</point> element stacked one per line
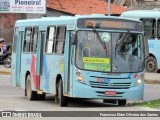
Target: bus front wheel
<point>122,102</point>
<point>63,101</point>
<point>151,65</point>
<point>31,95</point>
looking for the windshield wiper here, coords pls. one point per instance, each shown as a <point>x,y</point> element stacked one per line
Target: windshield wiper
<point>121,40</point>
<point>100,40</point>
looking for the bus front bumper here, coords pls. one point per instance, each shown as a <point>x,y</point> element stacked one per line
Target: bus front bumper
<point>85,91</point>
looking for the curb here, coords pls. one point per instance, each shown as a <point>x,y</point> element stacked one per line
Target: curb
<point>152,82</point>
<point>5,73</point>
<point>149,109</point>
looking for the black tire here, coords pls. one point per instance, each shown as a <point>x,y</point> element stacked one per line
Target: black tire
<point>7,62</point>
<point>109,101</point>
<point>122,102</point>
<point>151,65</point>
<point>63,101</point>
<point>31,95</point>
<point>41,96</point>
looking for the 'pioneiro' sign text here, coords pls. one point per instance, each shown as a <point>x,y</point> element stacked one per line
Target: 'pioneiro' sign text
<point>27,2</point>
<point>23,6</point>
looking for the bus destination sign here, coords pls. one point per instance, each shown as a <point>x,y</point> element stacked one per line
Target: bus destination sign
<point>109,24</point>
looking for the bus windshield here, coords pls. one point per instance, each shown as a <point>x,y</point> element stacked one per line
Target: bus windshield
<point>110,51</point>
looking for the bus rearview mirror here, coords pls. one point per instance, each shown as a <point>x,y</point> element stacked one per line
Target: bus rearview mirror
<point>146,48</point>
<point>146,51</point>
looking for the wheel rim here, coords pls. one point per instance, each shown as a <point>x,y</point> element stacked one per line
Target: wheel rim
<point>59,92</point>
<point>151,66</point>
<point>8,62</point>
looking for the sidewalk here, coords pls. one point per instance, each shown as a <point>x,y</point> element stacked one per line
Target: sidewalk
<point>150,78</point>
<point>4,71</point>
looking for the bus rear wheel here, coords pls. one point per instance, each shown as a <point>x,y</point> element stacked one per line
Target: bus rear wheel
<point>31,95</point>
<point>41,96</point>
<point>151,65</point>
<point>122,102</point>
<point>63,101</point>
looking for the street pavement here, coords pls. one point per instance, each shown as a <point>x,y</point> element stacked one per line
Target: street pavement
<point>152,78</point>
<point>13,99</point>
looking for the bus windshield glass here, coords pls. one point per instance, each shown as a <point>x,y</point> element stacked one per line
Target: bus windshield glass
<point>110,51</point>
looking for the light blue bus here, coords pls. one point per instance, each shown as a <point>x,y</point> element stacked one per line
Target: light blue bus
<point>151,21</point>
<point>84,56</point>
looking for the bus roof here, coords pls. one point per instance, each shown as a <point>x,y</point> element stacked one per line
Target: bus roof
<point>141,14</point>
<point>62,20</point>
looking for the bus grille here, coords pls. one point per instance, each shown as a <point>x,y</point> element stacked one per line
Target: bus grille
<point>110,85</point>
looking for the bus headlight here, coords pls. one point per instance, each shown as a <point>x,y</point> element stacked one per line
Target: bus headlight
<point>140,79</point>
<point>79,77</point>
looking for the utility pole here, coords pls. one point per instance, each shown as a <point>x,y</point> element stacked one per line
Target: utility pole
<point>109,7</point>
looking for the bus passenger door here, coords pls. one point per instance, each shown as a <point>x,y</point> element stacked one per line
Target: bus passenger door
<point>40,47</point>
<point>16,57</point>
<point>69,68</point>
<point>66,83</point>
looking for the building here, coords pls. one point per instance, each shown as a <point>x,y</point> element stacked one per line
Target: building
<point>138,4</point>
<point>7,22</point>
<point>59,8</point>
<point>145,5</point>
<point>73,7</point>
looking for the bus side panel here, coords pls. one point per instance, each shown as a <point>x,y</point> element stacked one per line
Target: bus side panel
<point>47,75</point>
<point>14,53</point>
<point>28,65</point>
<point>52,66</point>
<point>13,71</point>
<point>154,46</point>
<point>16,59</point>
<point>25,66</point>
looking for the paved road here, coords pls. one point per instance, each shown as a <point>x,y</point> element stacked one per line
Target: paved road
<point>13,99</point>
<point>151,92</point>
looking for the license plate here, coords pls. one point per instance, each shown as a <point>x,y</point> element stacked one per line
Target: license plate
<point>110,93</point>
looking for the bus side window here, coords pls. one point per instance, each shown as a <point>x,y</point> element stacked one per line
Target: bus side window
<point>149,28</point>
<point>158,28</point>
<point>34,39</point>
<point>49,40</point>
<point>60,39</point>
<point>27,39</point>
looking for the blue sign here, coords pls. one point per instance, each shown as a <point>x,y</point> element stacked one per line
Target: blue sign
<point>130,75</point>
<point>106,80</point>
